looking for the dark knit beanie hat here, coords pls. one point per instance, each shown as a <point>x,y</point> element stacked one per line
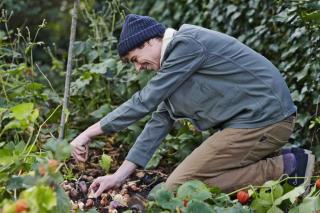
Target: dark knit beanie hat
<point>136,30</point>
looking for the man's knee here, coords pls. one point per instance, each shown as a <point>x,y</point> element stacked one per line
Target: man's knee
<point>171,184</point>
<point>175,180</point>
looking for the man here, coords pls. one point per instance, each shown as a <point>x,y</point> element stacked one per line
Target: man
<point>213,80</point>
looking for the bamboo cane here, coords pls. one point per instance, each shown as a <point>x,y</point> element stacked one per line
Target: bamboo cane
<point>69,68</point>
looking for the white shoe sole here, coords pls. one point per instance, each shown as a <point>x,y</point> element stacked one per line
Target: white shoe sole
<point>309,169</point>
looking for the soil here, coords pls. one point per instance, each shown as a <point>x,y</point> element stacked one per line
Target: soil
<point>132,195</point>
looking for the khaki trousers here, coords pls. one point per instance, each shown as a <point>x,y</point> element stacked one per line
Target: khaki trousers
<point>234,158</point>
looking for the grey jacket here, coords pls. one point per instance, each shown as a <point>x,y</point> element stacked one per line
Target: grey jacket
<point>211,79</point>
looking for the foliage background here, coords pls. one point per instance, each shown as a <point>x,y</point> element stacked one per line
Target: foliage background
<point>286,32</point>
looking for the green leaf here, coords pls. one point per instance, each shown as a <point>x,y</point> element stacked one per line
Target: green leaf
<point>135,128</point>
<point>281,17</point>
<point>272,190</point>
<point>193,190</point>
<point>80,83</point>
<point>215,190</point>
<point>185,137</point>
<point>34,115</point>
<point>234,208</point>
<point>15,124</point>
<point>294,210</point>
<point>302,74</point>
<point>63,201</point>
<point>274,209</point>
<point>19,182</point>
<point>260,206</point>
<point>165,199</point>
<point>60,149</point>
<point>6,156</point>
<point>110,63</point>
<point>34,86</point>
<point>155,160</point>
<point>105,162</point>
<point>2,110</point>
<point>22,111</point>
<point>93,55</point>
<point>196,206</point>
<point>313,17</point>
<point>153,193</point>
<point>102,67</point>
<point>102,111</point>
<point>41,199</point>
<point>79,47</point>
<point>292,195</point>
<point>310,204</point>
<point>8,206</point>
<point>2,35</point>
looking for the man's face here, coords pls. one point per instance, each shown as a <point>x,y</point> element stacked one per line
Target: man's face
<point>147,57</point>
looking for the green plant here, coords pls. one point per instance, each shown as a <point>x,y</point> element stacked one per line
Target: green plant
<point>25,111</point>
<point>192,196</point>
<point>40,187</point>
<point>105,162</point>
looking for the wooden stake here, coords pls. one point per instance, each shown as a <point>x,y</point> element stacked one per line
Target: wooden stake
<point>69,68</point>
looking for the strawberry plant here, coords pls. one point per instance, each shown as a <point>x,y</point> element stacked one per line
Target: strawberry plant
<point>192,196</point>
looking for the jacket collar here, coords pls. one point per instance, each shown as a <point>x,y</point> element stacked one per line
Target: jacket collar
<point>167,37</point>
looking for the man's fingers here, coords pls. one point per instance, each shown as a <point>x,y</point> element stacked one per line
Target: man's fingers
<point>94,185</point>
<point>86,154</point>
<point>99,191</point>
<point>80,148</point>
<point>78,157</point>
<point>81,158</point>
<point>79,152</point>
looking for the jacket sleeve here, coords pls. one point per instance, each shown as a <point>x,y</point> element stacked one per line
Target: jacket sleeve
<point>185,56</point>
<point>150,138</point>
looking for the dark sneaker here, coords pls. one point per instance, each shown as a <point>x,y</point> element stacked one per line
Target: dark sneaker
<point>304,168</point>
<point>295,150</point>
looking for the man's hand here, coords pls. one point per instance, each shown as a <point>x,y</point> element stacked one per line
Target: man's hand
<point>80,143</point>
<point>103,183</point>
<point>80,147</point>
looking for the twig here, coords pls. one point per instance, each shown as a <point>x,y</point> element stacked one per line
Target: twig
<point>46,78</point>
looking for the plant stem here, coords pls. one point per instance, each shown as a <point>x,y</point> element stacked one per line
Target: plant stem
<point>4,89</point>
<point>53,90</point>
<point>251,186</point>
<point>40,127</point>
